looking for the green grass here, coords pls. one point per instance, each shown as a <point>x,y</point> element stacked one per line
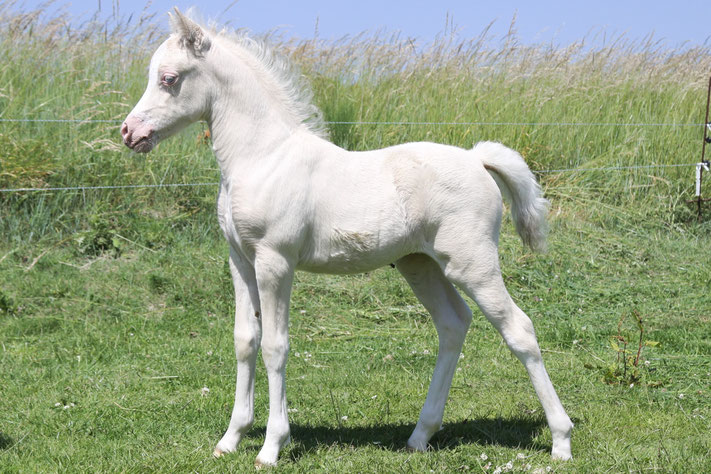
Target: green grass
<point>117,304</point>
<point>131,342</point>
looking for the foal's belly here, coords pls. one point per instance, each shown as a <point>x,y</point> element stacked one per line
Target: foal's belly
<point>354,252</point>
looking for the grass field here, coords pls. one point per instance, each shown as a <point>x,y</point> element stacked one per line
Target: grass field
<point>116,305</point>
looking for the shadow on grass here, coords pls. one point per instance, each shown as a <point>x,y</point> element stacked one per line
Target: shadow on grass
<point>511,433</point>
<point>5,441</point>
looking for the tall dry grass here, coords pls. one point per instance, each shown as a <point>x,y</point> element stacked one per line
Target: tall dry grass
<point>594,103</point>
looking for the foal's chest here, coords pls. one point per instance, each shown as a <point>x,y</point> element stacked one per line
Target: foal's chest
<point>238,223</point>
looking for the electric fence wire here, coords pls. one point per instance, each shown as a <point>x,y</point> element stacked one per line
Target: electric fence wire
<point>180,185</point>
<point>412,123</point>
<point>393,123</point>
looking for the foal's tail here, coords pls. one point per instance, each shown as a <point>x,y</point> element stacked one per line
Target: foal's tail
<point>520,189</point>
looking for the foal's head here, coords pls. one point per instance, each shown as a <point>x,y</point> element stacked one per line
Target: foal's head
<point>179,88</point>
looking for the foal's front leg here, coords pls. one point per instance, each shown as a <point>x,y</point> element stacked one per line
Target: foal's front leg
<point>274,278</point>
<point>248,333</point>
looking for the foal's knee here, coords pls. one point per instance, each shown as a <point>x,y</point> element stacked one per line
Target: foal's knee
<point>275,352</point>
<point>246,345</point>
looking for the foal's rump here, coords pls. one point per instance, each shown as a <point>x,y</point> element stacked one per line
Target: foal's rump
<point>434,181</point>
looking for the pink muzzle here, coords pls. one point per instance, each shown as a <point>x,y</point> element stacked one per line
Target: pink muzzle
<point>138,135</point>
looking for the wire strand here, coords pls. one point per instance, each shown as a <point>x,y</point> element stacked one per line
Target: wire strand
<point>28,120</point>
<point>181,185</point>
<point>532,124</point>
<point>613,168</point>
<point>412,123</point>
<point>119,186</point>
<point>175,185</point>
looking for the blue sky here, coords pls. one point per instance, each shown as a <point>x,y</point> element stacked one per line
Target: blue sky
<point>676,23</point>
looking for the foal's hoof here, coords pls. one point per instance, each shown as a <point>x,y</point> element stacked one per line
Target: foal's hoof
<point>269,455</point>
<point>259,464</point>
<point>561,448</point>
<point>561,451</point>
<point>221,451</point>
<point>415,447</point>
<point>561,455</point>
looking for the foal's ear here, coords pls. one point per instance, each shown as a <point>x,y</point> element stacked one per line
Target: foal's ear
<point>191,34</point>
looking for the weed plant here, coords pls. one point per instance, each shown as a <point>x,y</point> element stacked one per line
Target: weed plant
<point>115,305</point>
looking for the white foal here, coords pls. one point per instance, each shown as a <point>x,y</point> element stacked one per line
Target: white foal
<point>291,200</point>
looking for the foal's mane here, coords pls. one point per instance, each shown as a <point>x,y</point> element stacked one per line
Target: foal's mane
<point>283,77</point>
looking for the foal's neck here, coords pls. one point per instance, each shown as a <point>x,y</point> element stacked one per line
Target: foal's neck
<point>247,123</point>
<point>239,140</point>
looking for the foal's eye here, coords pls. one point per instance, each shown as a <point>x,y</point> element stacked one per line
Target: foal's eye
<point>169,79</point>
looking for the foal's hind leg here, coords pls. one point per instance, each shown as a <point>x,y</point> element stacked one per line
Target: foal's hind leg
<point>451,317</point>
<point>483,283</point>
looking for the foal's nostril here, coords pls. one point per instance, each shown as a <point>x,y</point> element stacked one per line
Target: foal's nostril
<point>124,132</point>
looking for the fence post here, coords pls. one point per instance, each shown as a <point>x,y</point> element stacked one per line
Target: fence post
<point>704,164</point>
